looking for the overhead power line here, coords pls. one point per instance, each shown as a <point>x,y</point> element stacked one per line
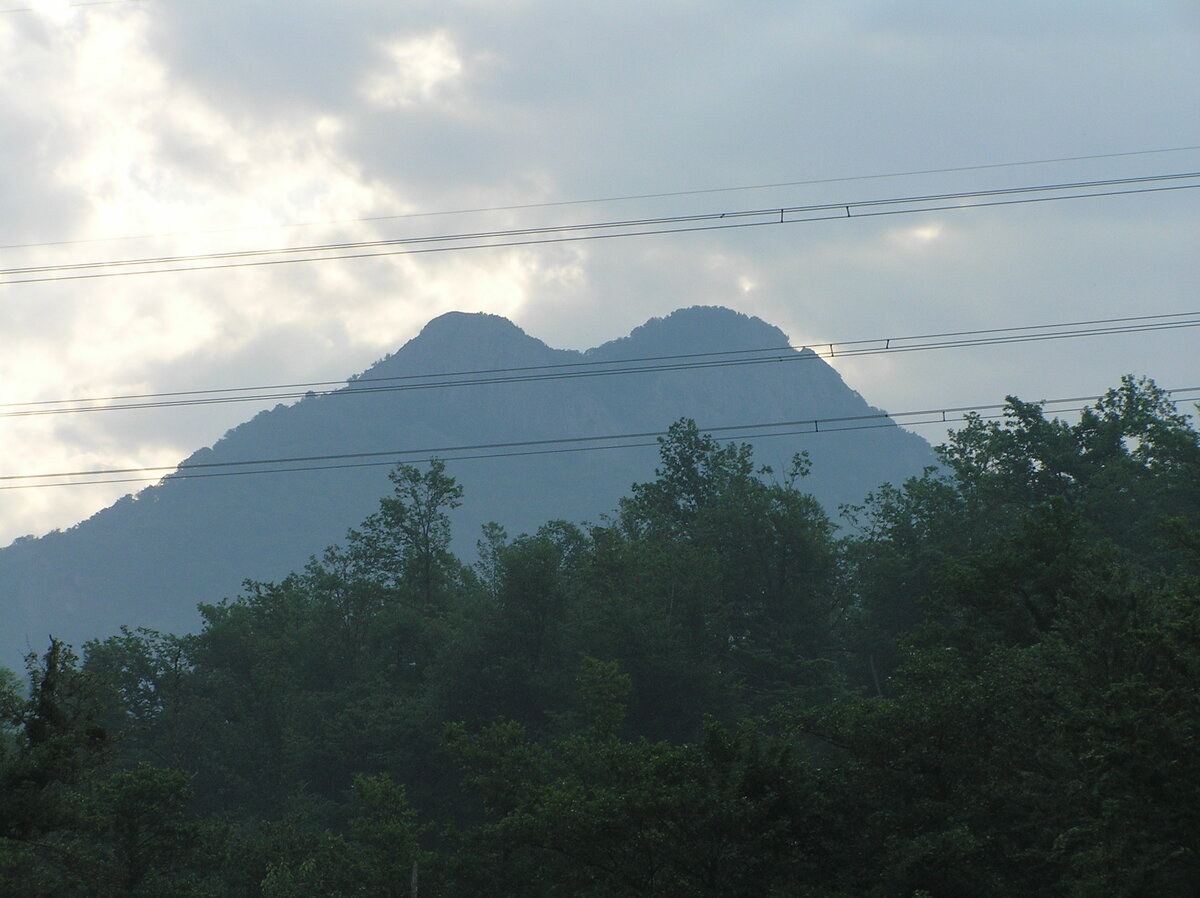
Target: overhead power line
<point>368,386</point>
<point>451,453</point>
<point>676,224</point>
<point>673,194</point>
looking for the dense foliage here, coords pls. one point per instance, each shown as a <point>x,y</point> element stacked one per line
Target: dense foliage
<point>986,686</point>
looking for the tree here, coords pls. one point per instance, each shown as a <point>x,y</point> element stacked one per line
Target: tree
<point>517,644</point>
<point>1033,736</point>
<point>1016,519</point>
<point>383,836</point>
<point>149,693</point>
<point>407,542</point>
<point>594,815</point>
<point>138,839</point>
<point>695,473</point>
<point>737,567</point>
<point>53,739</point>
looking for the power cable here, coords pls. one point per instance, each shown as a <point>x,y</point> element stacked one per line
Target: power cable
<point>606,229</point>
<point>643,365</point>
<point>622,224</point>
<point>544,446</point>
<point>608,199</point>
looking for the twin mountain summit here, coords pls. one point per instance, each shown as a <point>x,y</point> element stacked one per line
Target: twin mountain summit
<point>467,380</point>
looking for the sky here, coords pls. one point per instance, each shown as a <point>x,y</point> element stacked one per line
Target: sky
<point>147,128</point>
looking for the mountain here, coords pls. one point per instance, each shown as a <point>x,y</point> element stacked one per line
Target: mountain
<point>148,559</point>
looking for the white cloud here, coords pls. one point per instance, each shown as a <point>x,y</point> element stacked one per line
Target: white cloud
<point>917,237</point>
<point>415,71</point>
<point>141,154</point>
<point>56,11</point>
<point>176,118</point>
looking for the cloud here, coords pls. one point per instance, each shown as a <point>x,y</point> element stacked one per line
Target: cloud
<point>915,238</point>
<point>215,126</point>
<point>174,164</point>
<point>415,71</point>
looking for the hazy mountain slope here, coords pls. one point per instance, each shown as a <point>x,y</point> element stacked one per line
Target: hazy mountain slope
<point>147,560</point>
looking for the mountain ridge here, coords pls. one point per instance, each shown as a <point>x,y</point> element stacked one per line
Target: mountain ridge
<point>150,557</point>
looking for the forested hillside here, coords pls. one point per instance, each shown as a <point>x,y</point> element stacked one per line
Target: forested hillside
<point>987,688</point>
